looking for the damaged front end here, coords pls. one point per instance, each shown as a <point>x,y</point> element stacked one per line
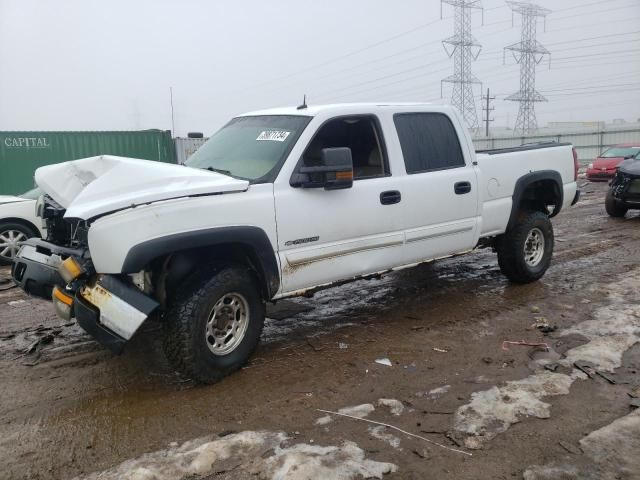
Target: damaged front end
<point>109,307</point>
<point>625,186</point>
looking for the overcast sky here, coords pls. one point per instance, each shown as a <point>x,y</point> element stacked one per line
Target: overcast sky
<point>108,64</point>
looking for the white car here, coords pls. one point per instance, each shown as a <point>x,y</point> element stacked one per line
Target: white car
<point>279,203</point>
<point>18,222</point>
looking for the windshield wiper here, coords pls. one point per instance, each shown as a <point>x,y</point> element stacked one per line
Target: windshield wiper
<point>218,170</point>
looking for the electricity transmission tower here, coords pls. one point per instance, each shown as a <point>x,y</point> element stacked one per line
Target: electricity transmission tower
<point>528,52</point>
<point>464,49</point>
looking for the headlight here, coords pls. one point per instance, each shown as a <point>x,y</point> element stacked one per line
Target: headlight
<point>590,165</point>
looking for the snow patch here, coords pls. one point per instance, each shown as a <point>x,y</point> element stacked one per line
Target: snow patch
<point>359,411</point>
<point>395,406</point>
<point>249,453</point>
<point>493,411</point>
<point>302,462</point>
<point>194,457</point>
<point>324,420</point>
<point>380,433</point>
<point>613,330</point>
<point>612,453</point>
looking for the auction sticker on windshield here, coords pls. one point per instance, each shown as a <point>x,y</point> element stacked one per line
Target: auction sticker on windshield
<point>273,135</point>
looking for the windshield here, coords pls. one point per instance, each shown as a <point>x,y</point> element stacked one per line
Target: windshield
<point>250,147</point>
<point>32,194</point>
<point>621,152</point>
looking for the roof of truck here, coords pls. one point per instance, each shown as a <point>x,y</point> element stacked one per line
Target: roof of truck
<point>337,108</point>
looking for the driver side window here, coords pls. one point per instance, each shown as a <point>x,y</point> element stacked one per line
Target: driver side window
<point>359,133</point>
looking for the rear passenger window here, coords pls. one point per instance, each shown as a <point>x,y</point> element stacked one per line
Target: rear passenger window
<point>429,142</point>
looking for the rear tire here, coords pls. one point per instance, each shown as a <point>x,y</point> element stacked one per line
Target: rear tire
<point>214,324</point>
<point>613,207</point>
<point>525,250</point>
<point>12,234</point>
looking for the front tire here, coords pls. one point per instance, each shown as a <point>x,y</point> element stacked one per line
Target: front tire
<point>525,250</point>
<point>613,207</point>
<point>214,325</point>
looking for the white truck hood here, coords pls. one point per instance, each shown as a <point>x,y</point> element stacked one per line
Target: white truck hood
<point>94,186</point>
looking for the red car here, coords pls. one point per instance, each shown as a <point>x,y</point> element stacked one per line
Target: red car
<point>604,167</point>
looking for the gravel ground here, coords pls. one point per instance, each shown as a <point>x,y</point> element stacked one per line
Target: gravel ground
<point>476,410</point>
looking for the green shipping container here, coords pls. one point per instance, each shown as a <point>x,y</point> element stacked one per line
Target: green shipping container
<point>21,153</point>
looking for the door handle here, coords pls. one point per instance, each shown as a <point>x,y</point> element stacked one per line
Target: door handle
<point>390,197</point>
<point>462,187</point>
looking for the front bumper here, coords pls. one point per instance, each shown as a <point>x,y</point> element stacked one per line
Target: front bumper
<point>108,307</point>
<point>599,174</point>
<point>35,268</point>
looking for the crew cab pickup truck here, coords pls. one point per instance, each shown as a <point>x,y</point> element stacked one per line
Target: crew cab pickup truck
<point>279,203</point>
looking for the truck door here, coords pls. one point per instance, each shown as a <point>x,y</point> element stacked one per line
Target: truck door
<point>440,188</point>
<point>330,235</point>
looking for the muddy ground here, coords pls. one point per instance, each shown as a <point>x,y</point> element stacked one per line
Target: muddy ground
<point>70,408</point>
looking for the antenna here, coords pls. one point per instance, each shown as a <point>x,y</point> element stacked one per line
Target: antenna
<point>304,103</point>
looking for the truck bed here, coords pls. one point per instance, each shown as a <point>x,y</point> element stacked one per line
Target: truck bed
<point>523,148</point>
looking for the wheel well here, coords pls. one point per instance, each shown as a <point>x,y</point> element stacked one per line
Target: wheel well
<point>21,221</point>
<point>539,194</point>
<point>537,191</point>
<point>170,272</point>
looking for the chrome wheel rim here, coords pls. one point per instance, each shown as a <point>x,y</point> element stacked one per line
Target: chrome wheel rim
<point>534,247</point>
<point>227,323</point>
<point>10,242</point>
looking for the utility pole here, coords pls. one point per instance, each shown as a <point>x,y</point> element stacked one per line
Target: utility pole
<point>173,120</point>
<point>487,111</point>
<point>528,52</point>
<point>463,48</point>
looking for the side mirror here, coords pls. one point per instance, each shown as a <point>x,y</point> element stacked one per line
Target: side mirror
<point>334,172</point>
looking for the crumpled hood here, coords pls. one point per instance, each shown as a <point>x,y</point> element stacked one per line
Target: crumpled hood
<point>11,199</point>
<point>94,186</point>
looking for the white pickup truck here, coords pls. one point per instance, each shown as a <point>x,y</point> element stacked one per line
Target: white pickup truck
<point>276,204</point>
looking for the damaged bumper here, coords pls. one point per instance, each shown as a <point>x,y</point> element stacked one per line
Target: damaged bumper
<point>107,307</point>
<point>111,310</point>
<point>35,268</point>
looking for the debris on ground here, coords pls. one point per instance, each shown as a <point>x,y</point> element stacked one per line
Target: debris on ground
<point>434,393</point>
<point>506,343</point>
<point>384,361</point>
<point>441,350</point>
<point>395,406</point>
<point>343,346</point>
<point>399,430</point>
<point>569,447</point>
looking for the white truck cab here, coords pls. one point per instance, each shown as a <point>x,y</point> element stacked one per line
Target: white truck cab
<point>279,203</point>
